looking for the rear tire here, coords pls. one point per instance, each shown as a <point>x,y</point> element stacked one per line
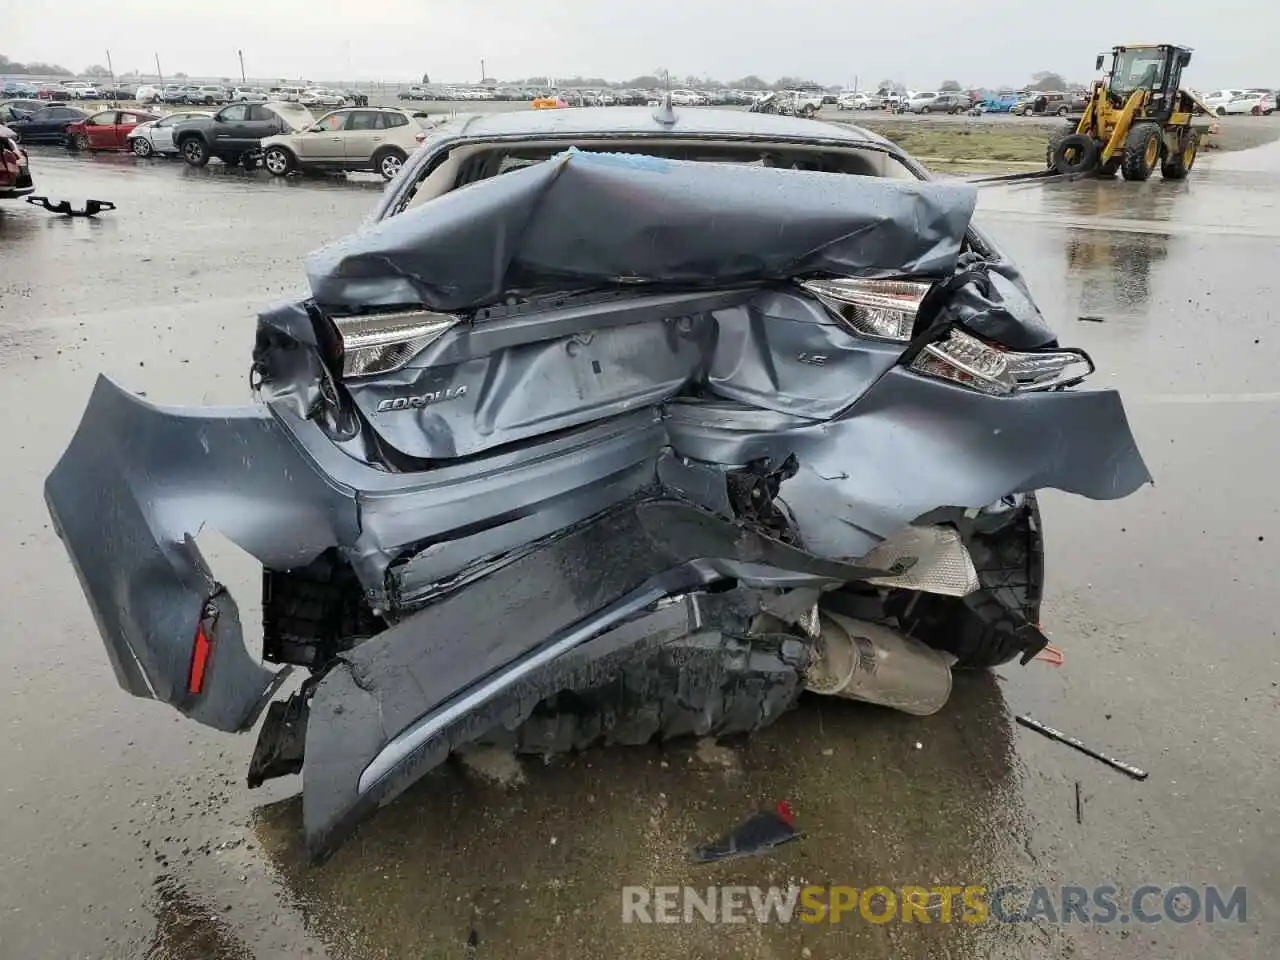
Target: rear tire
<point>1178,166</point>
<point>278,161</point>
<point>80,142</point>
<point>1142,149</point>
<point>142,148</point>
<point>388,161</point>
<point>194,151</point>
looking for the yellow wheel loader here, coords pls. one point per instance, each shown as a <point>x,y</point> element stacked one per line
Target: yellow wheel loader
<point>1137,118</point>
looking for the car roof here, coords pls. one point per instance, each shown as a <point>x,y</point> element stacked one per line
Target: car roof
<point>604,121</point>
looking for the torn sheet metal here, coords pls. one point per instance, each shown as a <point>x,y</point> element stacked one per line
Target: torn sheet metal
<point>584,219</point>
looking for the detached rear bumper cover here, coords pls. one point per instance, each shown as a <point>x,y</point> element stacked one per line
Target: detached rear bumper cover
<point>133,488</point>
<point>138,482</point>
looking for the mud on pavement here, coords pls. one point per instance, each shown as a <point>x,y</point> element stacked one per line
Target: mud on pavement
<point>129,832</point>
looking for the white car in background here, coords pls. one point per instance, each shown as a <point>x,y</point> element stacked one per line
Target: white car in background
<point>1255,102</point>
<point>247,95</point>
<point>80,90</point>
<point>1220,98</point>
<point>688,98</point>
<point>856,101</point>
<point>156,136</point>
<point>148,94</point>
<point>320,97</point>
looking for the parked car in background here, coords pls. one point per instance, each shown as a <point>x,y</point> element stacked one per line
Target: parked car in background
<point>415,92</point>
<point>247,95</point>
<point>286,94</point>
<point>156,136</point>
<point>15,167</point>
<point>1220,98</point>
<point>688,98</point>
<point>106,129</point>
<point>46,125</point>
<point>1268,105</point>
<point>355,98</point>
<point>173,93</point>
<point>1252,102</point>
<point>368,138</point>
<point>9,109</point>
<point>856,101</point>
<point>1050,103</point>
<point>939,103</point>
<point>18,88</point>
<point>148,94</point>
<point>235,133</point>
<point>320,97</point>
<point>81,90</point>
<point>53,92</point>
<point>209,94</point>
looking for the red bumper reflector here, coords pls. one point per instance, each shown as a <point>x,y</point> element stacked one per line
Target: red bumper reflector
<point>200,653</point>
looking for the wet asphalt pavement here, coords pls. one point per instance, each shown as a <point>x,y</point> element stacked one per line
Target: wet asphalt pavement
<point>127,831</point>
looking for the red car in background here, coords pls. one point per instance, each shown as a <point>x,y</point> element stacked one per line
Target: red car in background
<point>106,130</point>
<point>15,175</point>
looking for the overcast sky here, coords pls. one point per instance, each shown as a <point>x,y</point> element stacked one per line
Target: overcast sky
<point>922,43</point>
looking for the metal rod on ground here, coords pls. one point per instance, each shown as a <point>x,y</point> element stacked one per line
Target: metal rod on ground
<point>1079,805</point>
<point>1128,769</point>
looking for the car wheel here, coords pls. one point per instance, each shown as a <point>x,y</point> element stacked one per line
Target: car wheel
<point>80,142</point>
<point>141,147</point>
<point>1063,111</point>
<point>388,162</point>
<point>278,161</point>
<point>924,110</point>
<point>1222,111</point>
<point>194,152</point>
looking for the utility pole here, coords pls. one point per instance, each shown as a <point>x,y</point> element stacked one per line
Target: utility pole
<point>159,72</point>
<point>111,70</point>
<point>482,71</point>
<point>240,54</point>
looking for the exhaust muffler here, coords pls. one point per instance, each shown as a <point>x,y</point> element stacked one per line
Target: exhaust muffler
<point>865,661</point>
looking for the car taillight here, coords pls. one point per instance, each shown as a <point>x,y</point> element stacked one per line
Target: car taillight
<point>382,342</point>
<point>879,309</point>
<point>420,137</point>
<point>971,362</point>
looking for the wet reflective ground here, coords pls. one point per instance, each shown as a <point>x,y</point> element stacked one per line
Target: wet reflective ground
<point>128,831</point>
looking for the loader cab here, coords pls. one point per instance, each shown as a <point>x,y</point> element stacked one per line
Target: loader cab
<point>1154,68</point>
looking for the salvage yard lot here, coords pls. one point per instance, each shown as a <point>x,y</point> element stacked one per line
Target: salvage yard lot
<point>142,841</point>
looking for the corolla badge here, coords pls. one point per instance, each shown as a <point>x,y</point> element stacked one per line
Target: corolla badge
<point>423,399</point>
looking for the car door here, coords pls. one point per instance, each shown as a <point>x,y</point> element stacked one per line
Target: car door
<point>125,124</point>
<point>229,132</point>
<point>101,129</point>
<point>365,132</point>
<point>322,142</point>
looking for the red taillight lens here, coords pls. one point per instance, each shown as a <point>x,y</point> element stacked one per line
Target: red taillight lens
<point>420,137</point>
<point>201,651</point>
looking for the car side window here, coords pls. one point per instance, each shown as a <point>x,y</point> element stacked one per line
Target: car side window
<point>395,120</point>
<point>235,114</point>
<point>257,112</point>
<point>102,119</point>
<point>333,122</point>
<point>365,120</point>
<point>130,118</point>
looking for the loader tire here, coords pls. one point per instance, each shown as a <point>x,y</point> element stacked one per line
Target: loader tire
<point>1074,153</point>
<point>1010,566</point>
<point>1142,149</point>
<point>1179,165</point>
<point>702,686</point>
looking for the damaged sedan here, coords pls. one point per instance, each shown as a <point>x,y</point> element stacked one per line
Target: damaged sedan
<point>608,426</point>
